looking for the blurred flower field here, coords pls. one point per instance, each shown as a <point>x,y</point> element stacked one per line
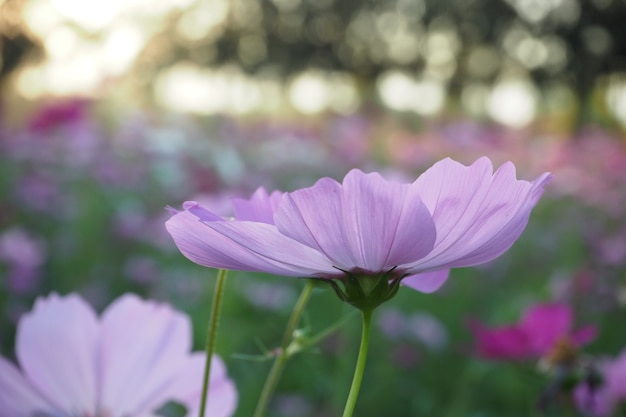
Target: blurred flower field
<point>83,208</point>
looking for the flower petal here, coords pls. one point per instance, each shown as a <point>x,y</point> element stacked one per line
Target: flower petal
<point>144,345</point>
<point>594,401</point>
<point>427,282</point>
<point>56,345</point>
<point>259,208</point>
<point>222,397</point>
<point>584,335</point>
<point>478,216</point>
<point>615,375</point>
<point>386,220</point>
<point>508,342</point>
<point>245,246</point>
<point>18,398</point>
<point>313,216</point>
<point>265,249</point>
<point>366,223</point>
<point>545,324</point>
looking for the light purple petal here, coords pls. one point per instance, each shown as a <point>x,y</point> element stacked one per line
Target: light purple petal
<point>386,221</point>
<point>499,234</point>
<point>259,208</point>
<point>265,249</point>
<point>144,346</point>
<point>246,246</point>
<point>427,282</point>
<point>365,223</point>
<point>56,345</point>
<point>593,402</point>
<point>615,374</point>
<point>478,215</point>
<point>602,401</point>
<point>545,324</point>
<point>187,387</point>
<point>314,217</point>
<point>18,398</point>
<point>200,212</point>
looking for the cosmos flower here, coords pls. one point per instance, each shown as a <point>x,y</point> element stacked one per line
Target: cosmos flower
<point>366,227</point>
<point>129,362</point>
<point>24,254</point>
<point>602,399</point>
<point>543,330</point>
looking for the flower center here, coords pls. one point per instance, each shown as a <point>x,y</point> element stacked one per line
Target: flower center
<point>564,352</point>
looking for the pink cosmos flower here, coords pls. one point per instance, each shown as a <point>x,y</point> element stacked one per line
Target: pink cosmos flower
<point>58,114</point>
<point>451,216</point>
<point>541,328</point>
<point>601,401</point>
<point>129,362</point>
<point>24,254</point>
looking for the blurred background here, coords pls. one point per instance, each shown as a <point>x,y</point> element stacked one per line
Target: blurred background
<point>112,110</point>
<point>515,62</point>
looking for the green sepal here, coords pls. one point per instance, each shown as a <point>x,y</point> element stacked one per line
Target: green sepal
<point>366,291</point>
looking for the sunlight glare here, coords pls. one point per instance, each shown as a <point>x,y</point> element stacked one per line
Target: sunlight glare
<point>402,92</point>
<point>616,98</point>
<point>512,102</point>
<point>315,91</point>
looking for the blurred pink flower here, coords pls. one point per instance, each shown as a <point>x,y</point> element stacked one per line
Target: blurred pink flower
<point>58,114</point>
<point>451,216</point>
<point>24,254</point>
<point>602,400</point>
<point>541,328</point>
<point>133,359</point>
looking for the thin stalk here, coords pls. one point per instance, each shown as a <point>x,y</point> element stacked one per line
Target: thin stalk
<point>327,332</point>
<point>360,364</point>
<point>211,335</point>
<point>279,363</point>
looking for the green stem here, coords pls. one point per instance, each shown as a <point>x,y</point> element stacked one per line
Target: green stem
<point>211,336</point>
<point>326,332</point>
<point>279,363</point>
<point>360,364</point>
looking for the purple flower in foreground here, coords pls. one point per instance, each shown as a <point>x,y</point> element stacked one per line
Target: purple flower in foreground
<point>128,363</point>
<point>542,331</point>
<point>370,233</point>
<point>603,398</point>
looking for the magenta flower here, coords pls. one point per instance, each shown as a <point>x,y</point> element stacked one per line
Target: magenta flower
<point>58,114</point>
<point>367,229</point>
<point>541,328</point>
<point>602,400</point>
<point>129,362</point>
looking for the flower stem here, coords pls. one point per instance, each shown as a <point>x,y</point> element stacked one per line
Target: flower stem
<point>211,335</point>
<point>360,364</point>
<point>279,363</point>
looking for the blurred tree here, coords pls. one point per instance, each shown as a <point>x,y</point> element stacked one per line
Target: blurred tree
<point>456,41</point>
<point>15,43</point>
